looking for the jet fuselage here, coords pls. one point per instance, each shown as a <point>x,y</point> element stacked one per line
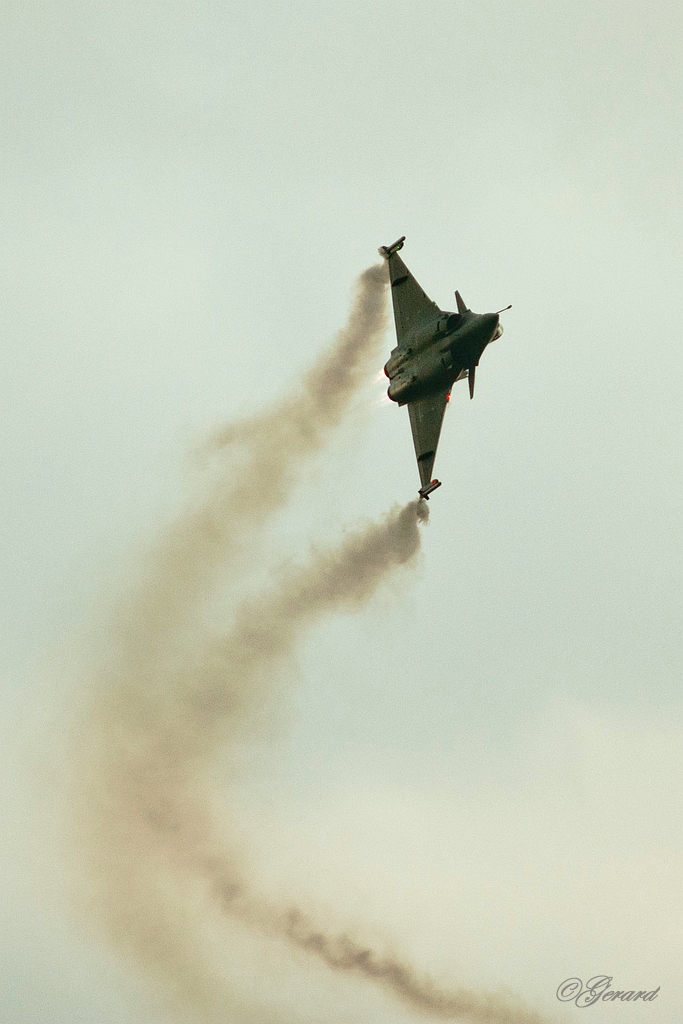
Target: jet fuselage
<point>439,353</point>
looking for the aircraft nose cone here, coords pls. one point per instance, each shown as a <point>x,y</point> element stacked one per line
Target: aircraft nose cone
<point>486,326</point>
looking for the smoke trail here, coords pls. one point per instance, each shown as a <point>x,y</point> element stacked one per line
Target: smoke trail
<point>342,953</point>
<point>130,758</point>
<point>260,460</point>
<point>168,696</point>
<point>145,822</point>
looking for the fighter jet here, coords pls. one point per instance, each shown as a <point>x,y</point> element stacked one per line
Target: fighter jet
<point>435,349</point>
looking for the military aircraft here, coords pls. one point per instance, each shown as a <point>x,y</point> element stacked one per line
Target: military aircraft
<point>435,349</point>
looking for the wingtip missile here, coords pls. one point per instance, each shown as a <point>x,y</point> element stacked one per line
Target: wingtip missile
<point>385,251</point>
<point>424,492</point>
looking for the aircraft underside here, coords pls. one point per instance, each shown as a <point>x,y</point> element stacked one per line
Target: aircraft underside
<point>435,349</point>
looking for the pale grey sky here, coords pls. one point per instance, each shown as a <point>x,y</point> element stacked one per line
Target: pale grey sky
<point>487,761</point>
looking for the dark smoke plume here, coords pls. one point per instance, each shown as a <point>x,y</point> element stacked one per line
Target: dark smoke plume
<point>260,459</point>
<point>342,953</point>
<point>168,696</point>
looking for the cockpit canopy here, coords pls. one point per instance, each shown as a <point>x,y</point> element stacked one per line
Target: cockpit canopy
<point>497,333</point>
<point>449,322</point>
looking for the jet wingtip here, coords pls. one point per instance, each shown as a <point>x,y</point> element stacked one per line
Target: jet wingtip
<point>386,251</point>
<point>424,492</point>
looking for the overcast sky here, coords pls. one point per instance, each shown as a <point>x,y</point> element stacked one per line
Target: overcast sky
<point>485,763</point>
